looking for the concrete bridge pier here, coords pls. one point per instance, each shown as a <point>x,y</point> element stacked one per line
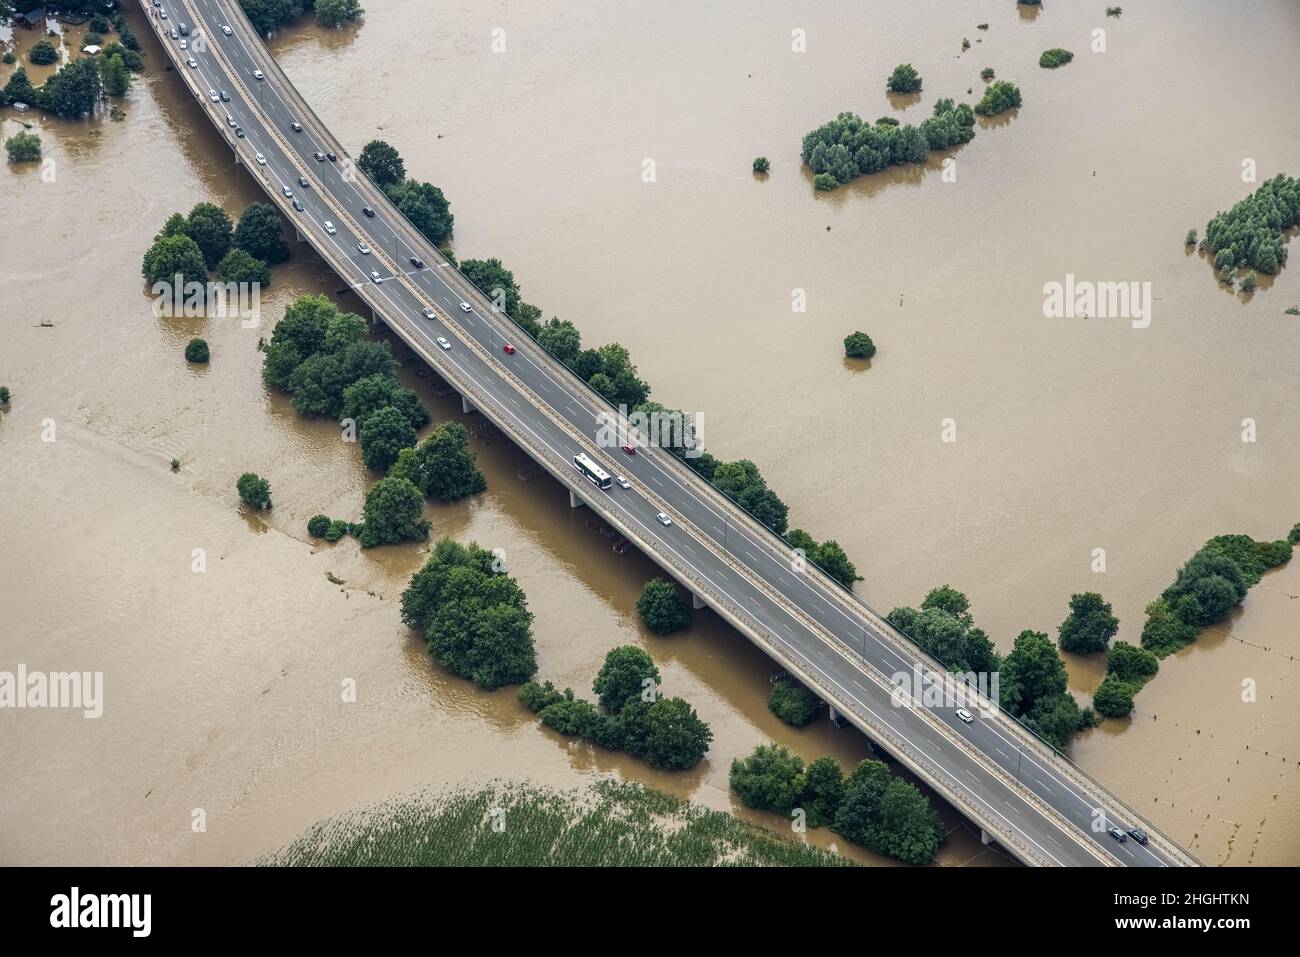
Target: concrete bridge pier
<point>574,501</point>
<point>985,837</point>
<point>696,602</point>
<point>467,408</point>
<point>301,237</point>
<point>837,719</point>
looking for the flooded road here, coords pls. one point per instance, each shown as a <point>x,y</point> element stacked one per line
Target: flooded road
<point>223,687</point>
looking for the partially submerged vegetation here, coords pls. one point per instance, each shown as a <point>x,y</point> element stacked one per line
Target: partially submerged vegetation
<point>858,345</point>
<point>661,608</point>
<point>266,16</point>
<point>848,146</point>
<point>633,716</point>
<point>1055,57</point>
<point>609,824</point>
<point>1250,234</point>
<point>1033,685</point>
<point>999,96</point>
<point>474,617</point>
<point>1206,589</point>
<point>422,203</point>
<point>870,807</point>
<point>793,703</point>
<point>904,79</point>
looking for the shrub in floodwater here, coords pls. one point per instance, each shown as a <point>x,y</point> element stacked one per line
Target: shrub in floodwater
<point>196,350</point>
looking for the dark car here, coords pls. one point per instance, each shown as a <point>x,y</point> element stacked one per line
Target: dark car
<point>1138,835</point>
<point>417,262</point>
<point>1118,835</point>
<point>367,210</point>
<point>296,126</point>
<point>302,181</point>
<point>297,204</point>
<point>239,131</point>
<point>333,158</point>
<point>225,97</point>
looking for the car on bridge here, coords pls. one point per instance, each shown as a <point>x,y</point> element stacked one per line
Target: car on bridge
<point>417,262</point>
<point>296,126</point>
<point>1117,834</point>
<point>288,193</point>
<point>663,519</point>
<point>239,131</point>
<point>374,275</point>
<point>318,156</point>
<point>465,307</point>
<point>225,29</point>
<point>329,227</point>
<point>428,312</point>
<point>184,45</point>
<point>965,715</point>
<point>173,34</point>
<point>508,349</point>
<point>630,448</point>
<point>333,158</point>
<point>192,63</point>
<point>444,343</point>
<point>230,121</point>
<point>257,75</point>
<point>261,160</point>
<point>162,15</point>
<point>622,482</point>
<point>302,181</point>
<point>297,204</point>
<point>1138,835</point>
<point>368,211</point>
<point>363,249</point>
<point>213,96</point>
<point>225,97</point>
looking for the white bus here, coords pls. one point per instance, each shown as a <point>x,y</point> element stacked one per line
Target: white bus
<point>594,473</point>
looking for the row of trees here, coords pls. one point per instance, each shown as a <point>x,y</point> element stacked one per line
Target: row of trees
<point>870,807</point>
<point>632,716</point>
<point>266,16</point>
<point>422,203</point>
<point>1250,234</point>
<point>848,146</point>
<point>474,617</point>
<point>1033,685</point>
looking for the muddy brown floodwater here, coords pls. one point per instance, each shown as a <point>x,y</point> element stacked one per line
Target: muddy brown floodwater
<point>223,687</point>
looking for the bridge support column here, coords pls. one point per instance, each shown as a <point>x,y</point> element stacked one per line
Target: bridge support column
<point>374,318</point>
<point>696,603</point>
<point>985,837</point>
<point>837,719</point>
<point>301,237</point>
<point>465,406</point>
<point>574,501</point>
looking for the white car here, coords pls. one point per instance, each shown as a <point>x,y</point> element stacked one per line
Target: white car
<point>374,274</point>
<point>622,482</point>
<point>192,63</point>
<point>230,121</point>
<point>261,160</point>
<point>184,44</point>
<point>329,228</point>
<point>444,343</point>
<point>214,96</point>
<point>226,30</point>
<point>363,249</point>
<point>965,715</point>
<point>465,307</point>
<point>663,519</point>
<point>428,312</point>
<point>257,75</point>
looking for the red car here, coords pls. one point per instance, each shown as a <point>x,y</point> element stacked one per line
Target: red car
<point>630,448</point>
<point>508,349</point>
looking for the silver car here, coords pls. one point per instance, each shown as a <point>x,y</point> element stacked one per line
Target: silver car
<point>663,519</point>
